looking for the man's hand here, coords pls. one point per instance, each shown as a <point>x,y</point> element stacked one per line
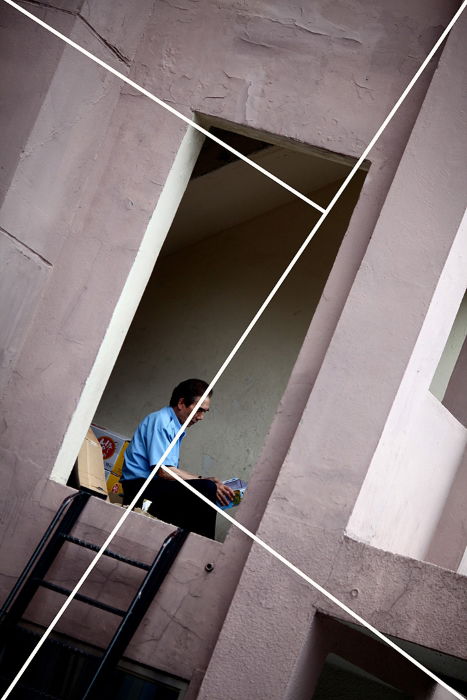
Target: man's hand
<point>224,494</point>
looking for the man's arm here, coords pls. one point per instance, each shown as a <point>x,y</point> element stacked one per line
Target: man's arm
<point>224,494</point>
<point>182,473</point>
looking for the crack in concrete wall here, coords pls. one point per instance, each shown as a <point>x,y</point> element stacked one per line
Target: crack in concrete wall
<point>22,245</point>
<point>121,57</point>
<point>110,46</point>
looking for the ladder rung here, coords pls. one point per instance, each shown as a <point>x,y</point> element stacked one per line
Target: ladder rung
<point>34,637</point>
<point>83,598</point>
<point>107,552</point>
<point>32,692</point>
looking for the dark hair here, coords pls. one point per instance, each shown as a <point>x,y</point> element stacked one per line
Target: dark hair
<point>189,390</point>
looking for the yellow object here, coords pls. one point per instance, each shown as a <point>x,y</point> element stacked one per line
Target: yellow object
<point>114,486</point>
<point>118,466</point>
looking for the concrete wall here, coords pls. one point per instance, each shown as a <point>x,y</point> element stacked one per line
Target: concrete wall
<point>26,270</point>
<point>324,74</point>
<point>34,59</point>
<point>409,481</point>
<point>102,176</point>
<point>449,543</point>
<point>346,412</point>
<point>422,445</point>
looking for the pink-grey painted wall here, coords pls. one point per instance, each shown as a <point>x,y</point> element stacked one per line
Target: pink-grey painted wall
<point>449,540</point>
<point>339,430</point>
<point>26,273</point>
<point>97,155</point>
<point>422,444</point>
<point>21,58</point>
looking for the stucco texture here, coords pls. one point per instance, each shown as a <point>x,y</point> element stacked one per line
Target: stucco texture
<point>86,169</point>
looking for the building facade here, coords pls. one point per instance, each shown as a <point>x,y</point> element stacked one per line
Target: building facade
<point>133,255</point>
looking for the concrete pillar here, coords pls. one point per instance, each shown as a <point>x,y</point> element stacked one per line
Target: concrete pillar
<point>351,399</point>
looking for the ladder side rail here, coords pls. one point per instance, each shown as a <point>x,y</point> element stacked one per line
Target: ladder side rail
<point>34,556</point>
<point>137,609</point>
<point>42,559</point>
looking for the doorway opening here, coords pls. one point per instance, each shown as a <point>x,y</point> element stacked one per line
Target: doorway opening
<point>342,679</point>
<point>344,660</point>
<point>234,233</point>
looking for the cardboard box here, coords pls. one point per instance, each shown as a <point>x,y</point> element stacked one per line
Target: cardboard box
<point>89,470</point>
<point>113,446</point>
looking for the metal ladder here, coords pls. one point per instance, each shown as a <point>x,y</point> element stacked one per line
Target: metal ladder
<point>33,577</point>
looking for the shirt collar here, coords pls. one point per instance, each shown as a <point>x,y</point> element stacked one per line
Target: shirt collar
<point>178,425</point>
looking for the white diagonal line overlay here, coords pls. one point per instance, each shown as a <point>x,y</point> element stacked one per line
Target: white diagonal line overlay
<point>224,366</point>
<point>166,106</point>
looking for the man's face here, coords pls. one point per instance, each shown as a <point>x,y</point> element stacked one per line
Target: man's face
<point>183,411</point>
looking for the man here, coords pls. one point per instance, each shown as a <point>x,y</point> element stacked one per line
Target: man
<point>171,501</point>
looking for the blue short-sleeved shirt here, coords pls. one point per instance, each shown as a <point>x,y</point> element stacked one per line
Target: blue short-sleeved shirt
<point>151,439</point>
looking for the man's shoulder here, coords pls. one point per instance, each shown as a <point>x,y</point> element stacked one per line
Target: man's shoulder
<point>161,417</point>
